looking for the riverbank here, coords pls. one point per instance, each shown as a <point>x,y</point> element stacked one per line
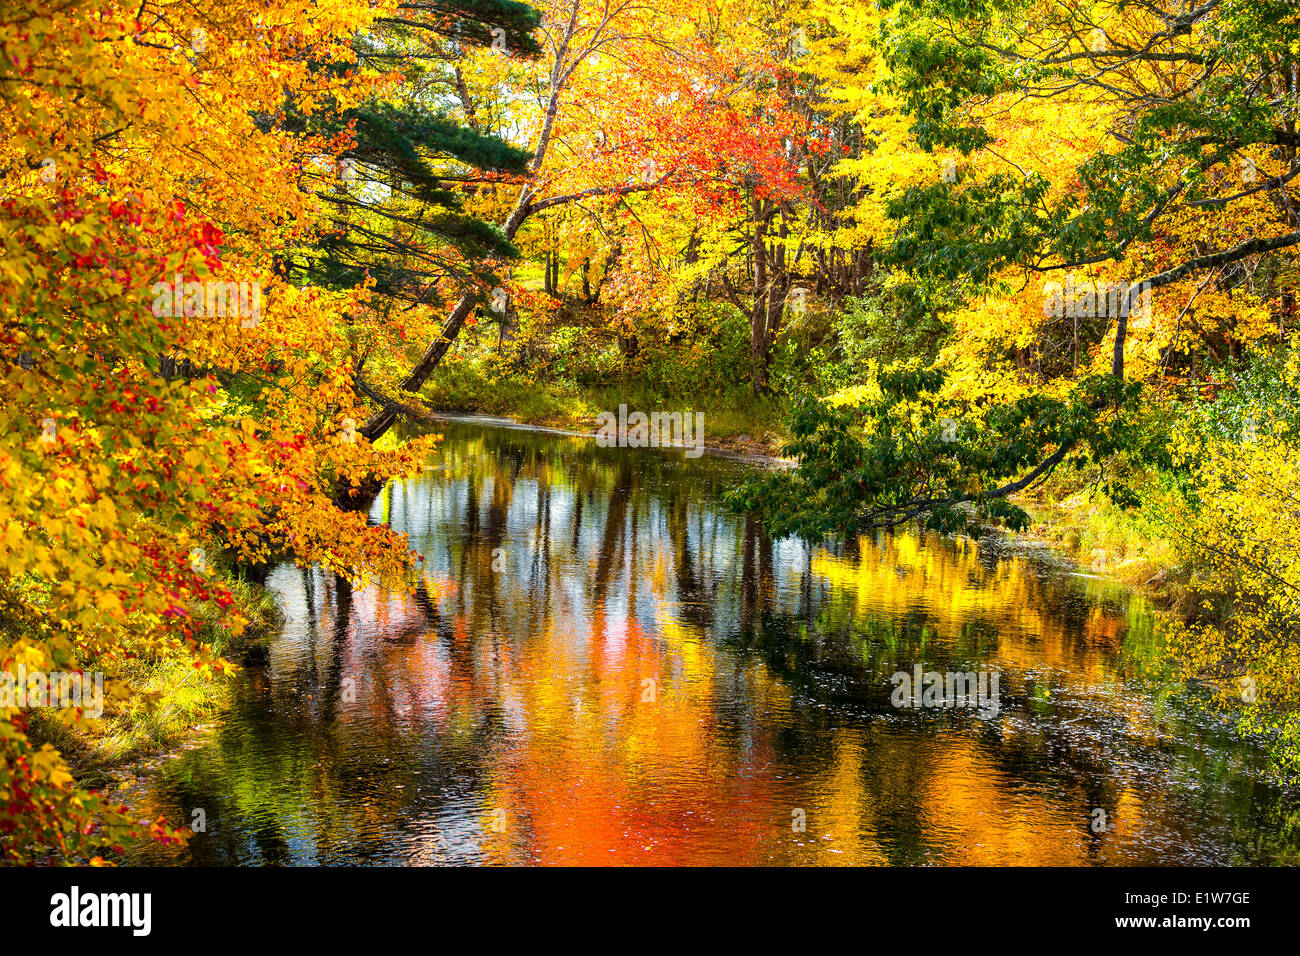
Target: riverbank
<point>1126,545</point>
<point>734,421</point>
<point>167,704</point>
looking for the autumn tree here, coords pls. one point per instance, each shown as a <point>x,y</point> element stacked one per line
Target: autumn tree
<point>149,175</point>
<point>1145,149</point>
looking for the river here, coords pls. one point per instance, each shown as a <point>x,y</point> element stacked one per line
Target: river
<point>605,666</point>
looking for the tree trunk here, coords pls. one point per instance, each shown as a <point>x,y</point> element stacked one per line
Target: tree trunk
<point>758,355</point>
<point>771,285</point>
<point>561,70</point>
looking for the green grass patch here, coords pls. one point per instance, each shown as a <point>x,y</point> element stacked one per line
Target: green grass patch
<point>734,417</point>
<point>167,697</point>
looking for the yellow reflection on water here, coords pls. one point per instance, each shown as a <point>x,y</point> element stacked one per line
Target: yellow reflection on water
<point>599,667</point>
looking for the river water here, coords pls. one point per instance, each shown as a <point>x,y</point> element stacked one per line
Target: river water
<point>604,666</point>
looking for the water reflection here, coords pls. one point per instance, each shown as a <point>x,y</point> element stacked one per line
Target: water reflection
<point>603,666</point>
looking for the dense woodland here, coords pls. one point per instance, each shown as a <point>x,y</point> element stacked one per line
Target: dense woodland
<point>976,265</point>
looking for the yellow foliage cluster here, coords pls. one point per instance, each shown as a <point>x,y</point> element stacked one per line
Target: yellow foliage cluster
<point>1238,533</point>
<point>134,151</point>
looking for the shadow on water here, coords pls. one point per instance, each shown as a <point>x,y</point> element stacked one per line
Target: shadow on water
<point>603,665</point>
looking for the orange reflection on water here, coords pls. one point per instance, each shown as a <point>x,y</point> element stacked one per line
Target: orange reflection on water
<point>602,666</point>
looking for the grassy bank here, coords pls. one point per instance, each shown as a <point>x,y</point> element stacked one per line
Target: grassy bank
<point>165,698</point>
<point>734,418</point>
<point>1140,546</point>
<point>1095,533</point>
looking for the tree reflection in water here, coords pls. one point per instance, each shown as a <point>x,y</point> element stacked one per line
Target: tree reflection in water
<point>501,712</point>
